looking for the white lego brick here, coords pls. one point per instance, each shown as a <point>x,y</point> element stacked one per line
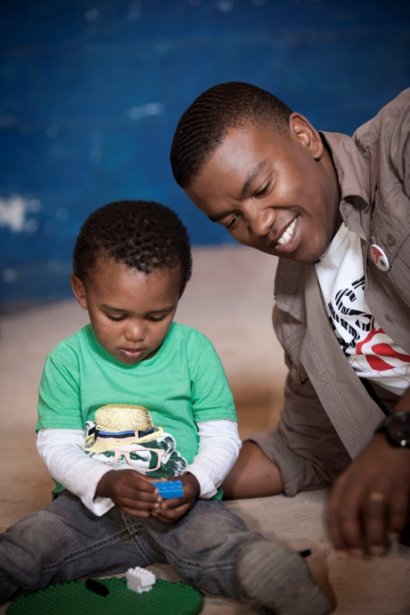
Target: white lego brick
<point>139,579</point>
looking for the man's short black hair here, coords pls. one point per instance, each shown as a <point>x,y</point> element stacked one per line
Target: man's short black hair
<point>143,235</point>
<point>204,124</point>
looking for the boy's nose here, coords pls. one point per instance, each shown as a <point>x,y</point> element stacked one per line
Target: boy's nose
<point>134,332</point>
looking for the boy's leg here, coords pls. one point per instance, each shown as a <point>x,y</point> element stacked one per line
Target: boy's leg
<point>214,550</point>
<point>65,541</point>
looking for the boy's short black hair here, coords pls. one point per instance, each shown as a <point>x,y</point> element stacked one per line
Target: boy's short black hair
<point>204,124</point>
<point>143,235</point>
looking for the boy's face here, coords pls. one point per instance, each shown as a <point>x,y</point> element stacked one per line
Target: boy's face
<point>130,312</point>
<point>276,193</point>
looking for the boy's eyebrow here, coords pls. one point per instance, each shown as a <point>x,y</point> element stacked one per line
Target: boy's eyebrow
<point>244,190</point>
<point>164,309</point>
<point>111,308</point>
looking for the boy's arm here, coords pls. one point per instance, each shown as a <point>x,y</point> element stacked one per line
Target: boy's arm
<point>62,451</point>
<point>219,446</point>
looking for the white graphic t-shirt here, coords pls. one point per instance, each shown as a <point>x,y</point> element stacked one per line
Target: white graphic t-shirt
<point>369,350</point>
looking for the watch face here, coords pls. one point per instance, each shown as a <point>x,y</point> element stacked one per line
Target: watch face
<point>398,429</point>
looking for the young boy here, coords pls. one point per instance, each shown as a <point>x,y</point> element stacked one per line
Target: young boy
<point>130,398</point>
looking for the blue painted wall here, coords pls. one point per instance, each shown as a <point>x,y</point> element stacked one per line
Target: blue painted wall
<point>90,93</point>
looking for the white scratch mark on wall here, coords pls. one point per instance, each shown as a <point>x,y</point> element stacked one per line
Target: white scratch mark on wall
<point>136,113</point>
<point>225,6</point>
<point>9,275</point>
<point>14,211</point>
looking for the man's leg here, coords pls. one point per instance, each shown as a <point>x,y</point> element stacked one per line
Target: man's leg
<point>253,475</point>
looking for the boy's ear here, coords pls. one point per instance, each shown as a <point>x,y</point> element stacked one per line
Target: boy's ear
<point>79,291</point>
<point>303,131</point>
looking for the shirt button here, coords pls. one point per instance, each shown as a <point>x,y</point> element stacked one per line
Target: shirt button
<point>390,240</point>
<point>379,257</point>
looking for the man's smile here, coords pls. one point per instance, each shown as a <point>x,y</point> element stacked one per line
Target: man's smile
<point>287,234</point>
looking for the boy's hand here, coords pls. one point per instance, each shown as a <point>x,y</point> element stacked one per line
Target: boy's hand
<point>131,491</point>
<point>169,511</point>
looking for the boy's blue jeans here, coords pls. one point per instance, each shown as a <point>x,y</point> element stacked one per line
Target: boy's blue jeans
<point>65,541</point>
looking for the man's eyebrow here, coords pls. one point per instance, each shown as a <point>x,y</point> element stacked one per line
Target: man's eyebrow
<point>244,190</point>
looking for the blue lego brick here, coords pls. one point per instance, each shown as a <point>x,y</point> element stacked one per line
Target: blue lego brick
<point>170,489</point>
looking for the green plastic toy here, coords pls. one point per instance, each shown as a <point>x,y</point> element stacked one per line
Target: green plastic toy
<point>109,597</point>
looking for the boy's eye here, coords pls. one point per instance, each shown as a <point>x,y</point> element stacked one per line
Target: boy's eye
<point>115,317</point>
<point>157,318</point>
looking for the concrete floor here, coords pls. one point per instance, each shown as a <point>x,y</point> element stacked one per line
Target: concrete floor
<point>229,299</point>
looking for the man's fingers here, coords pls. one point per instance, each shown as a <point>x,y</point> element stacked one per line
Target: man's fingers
<point>399,511</point>
<point>331,517</point>
<point>350,530</point>
<point>344,516</point>
<point>375,523</point>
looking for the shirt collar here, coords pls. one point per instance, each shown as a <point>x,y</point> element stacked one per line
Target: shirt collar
<point>351,167</point>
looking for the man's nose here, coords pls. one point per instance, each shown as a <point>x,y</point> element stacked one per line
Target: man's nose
<point>260,221</point>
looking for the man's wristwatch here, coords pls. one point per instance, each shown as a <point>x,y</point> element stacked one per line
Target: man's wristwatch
<point>396,428</point>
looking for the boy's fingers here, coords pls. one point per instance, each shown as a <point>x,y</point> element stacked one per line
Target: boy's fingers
<point>127,504</point>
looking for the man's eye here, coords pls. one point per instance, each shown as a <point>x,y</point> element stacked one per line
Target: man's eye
<point>262,191</point>
<point>231,223</point>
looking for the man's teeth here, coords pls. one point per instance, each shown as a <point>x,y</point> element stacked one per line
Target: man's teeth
<point>287,235</point>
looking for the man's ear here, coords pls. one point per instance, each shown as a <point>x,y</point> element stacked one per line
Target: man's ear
<point>302,130</point>
<point>79,291</point>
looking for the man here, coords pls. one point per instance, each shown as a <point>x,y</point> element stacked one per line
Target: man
<point>336,211</point>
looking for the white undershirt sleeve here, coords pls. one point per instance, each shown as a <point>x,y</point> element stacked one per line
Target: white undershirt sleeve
<point>62,450</point>
<point>219,446</point>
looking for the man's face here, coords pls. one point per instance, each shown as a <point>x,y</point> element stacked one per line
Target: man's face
<point>276,193</point>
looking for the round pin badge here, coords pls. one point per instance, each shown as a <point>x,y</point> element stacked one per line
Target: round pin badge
<point>379,257</point>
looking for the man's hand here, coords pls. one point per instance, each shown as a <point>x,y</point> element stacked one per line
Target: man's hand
<point>370,501</point>
<point>169,511</point>
<point>131,491</point>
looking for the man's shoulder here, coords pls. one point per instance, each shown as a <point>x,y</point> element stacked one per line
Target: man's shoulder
<point>387,120</point>
<point>400,103</point>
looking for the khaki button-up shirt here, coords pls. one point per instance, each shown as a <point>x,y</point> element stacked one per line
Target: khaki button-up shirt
<point>328,416</point>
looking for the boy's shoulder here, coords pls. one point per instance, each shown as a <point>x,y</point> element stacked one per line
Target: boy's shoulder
<point>187,332</point>
<point>73,343</point>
